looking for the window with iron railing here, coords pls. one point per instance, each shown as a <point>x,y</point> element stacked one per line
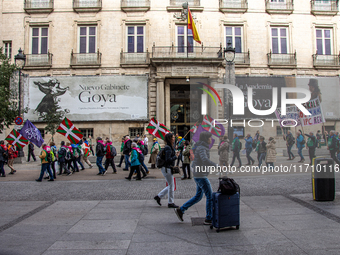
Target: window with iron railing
<point>37,4</point>
<point>133,132</point>
<point>180,2</point>
<point>320,6</point>
<point>233,4</point>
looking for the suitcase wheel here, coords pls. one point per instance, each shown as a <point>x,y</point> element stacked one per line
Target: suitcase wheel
<point>238,226</point>
<point>218,230</point>
<point>211,226</point>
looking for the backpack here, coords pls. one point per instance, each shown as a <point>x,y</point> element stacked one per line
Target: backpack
<point>113,151</point>
<point>48,156</point>
<point>254,144</point>
<point>68,155</point>
<point>55,152</point>
<point>140,157</point>
<point>76,153</point>
<point>160,159</point>
<point>228,186</point>
<point>143,149</point>
<point>52,156</point>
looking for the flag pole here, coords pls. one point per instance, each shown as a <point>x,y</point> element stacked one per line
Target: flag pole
<point>187,30</point>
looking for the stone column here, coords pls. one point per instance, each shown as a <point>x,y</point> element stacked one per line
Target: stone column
<point>160,100</point>
<point>167,105</point>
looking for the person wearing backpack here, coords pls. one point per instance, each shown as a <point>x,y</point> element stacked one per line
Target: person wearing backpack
<point>271,152</point>
<point>289,143</point>
<point>201,163</point>
<point>249,149</point>
<point>100,153</point>
<point>186,162</point>
<point>110,155</point>
<point>332,145</point>
<point>31,152</point>
<point>236,147</point>
<point>69,156</point>
<point>127,152</point>
<point>3,158</point>
<point>262,150</point>
<point>62,154</point>
<point>311,144</point>
<point>154,151</point>
<point>169,157</point>
<point>223,152</point>
<point>135,164</point>
<point>45,158</point>
<point>300,144</point>
<point>141,146</point>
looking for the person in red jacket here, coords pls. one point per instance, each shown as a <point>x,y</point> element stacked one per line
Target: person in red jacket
<point>11,156</point>
<point>110,151</point>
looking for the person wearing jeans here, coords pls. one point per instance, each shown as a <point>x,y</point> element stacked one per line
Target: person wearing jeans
<point>126,152</point>
<point>201,161</point>
<point>45,165</point>
<point>300,145</point>
<point>289,142</point>
<point>262,150</point>
<point>169,157</point>
<point>100,155</point>
<point>249,149</point>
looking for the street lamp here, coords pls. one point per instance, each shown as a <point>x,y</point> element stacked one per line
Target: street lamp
<point>229,56</point>
<point>20,61</point>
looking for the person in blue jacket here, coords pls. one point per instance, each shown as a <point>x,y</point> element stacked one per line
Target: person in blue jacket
<point>249,148</point>
<point>300,144</point>
<point>135,164</point>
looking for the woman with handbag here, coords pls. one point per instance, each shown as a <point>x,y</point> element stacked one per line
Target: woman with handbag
<point>200,172</point>
<point>167,170</point>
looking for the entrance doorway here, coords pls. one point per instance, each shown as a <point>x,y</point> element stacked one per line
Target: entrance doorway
<point>182,118</point>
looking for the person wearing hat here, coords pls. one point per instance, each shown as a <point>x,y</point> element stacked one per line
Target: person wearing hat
<point>154,151</point>
<point>314,89</point>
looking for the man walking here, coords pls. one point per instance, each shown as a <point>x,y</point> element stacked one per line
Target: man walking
<point>289,143</point>
<point>236,147</point>
<point>45,163</point>
<point>262,150</point>
<point>249,148</point>
<point>122,157</point>
<point>90,144</point>
<point>31,152</point>
<point>126,152</point>
<point>311,144</point>
<point>100,154</point>
<point>332,145</point>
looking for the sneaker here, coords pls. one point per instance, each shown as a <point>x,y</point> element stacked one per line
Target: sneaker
<point>37,180</point>
<point>158,199</point>
<point>50,180</point>
<point>99,173</point>
<point>127,178</point>
<point>91,166</point>
<point>179,213</point>
<point>207,222</point>
<point>172,205</point>
<point>14,171</point>
<point>69,173</point>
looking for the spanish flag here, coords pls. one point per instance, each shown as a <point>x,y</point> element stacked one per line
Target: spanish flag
<point>192,26</point>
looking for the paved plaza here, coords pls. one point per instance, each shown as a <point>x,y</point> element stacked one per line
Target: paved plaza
<point>89,214</point>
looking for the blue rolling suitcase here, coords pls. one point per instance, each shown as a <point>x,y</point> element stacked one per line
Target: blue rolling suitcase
<point>226,211</point>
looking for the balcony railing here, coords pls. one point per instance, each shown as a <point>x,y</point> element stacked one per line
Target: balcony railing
<point>86,60</point>
<point>326,61</point>
<point>280,7</point>
<point>281,60</point>
<point>242,58</point>
<point>36,6</point>
<point>329,7</point>
<point>139,58</point>
<point>87,5</point>
<point>233,6</point>
<point>180,2</point>
<point>39,60</point>
<point>135,5</point>
<point>199,52</point>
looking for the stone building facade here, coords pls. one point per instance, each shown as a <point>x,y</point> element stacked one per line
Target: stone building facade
<point>69,38</point>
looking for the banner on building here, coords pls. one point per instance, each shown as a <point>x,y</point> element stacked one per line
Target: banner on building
<point>89,98</point>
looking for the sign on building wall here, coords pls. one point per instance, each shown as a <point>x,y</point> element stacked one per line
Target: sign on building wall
<point>326,89</point>
<point>89,98</point>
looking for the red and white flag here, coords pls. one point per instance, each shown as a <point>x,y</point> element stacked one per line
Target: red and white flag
<point>157,129</point>
<point>216,129</point>
<point>67,129</point>
<point>15,138</point>
<point>194,128</point>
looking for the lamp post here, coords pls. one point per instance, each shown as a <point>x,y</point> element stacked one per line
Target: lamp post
<point>229,56</point>
<point>20,61</point>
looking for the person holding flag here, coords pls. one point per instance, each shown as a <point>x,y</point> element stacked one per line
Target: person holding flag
<point>45,164</point>
<point>86,148</point>
<point>154,151</point>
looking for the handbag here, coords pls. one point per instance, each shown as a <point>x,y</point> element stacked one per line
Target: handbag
<point>175,170</point>
<point>228,186</point>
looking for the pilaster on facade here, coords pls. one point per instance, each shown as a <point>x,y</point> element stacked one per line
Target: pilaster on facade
<point>160,99</point>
